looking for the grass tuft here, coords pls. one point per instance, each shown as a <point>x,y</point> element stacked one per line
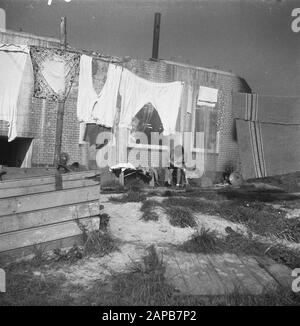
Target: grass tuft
<point>180,217</point>
<point>203,241</point>
<point>208,242</point>
<point>144,285</point>
<point>99,241</point>
<point>148,209</point>
<point>130,196</point>
<point>259,218</point>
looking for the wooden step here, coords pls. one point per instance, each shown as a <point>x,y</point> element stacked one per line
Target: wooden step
<point>23,238</point>
<point>27,220</point>
<point>47,179</point>
<point>33,202</point>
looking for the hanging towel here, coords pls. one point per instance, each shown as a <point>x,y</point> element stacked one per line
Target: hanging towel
<point>189,99</point>
<point>82,129</point>
<point>207,96</point>
<point>105,107</point>
<point>136,92</point>
<point>87,95</point>
<point>268,132</point>
<point>54,72</point>
<point>267,108</point>
<point>12,64</point>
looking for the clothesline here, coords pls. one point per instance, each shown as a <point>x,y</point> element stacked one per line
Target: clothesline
<point>135,93</point>
<point>55,69</point>
<point>98,56</point>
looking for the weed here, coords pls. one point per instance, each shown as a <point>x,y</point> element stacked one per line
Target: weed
<point>203,241</point>
<point>131,196</point>
<point>266,196</point>
<point>104,221</point>
<point>277,297</point>
<point>262,220</point>
<point>180,217</point>
<point>148,209</point>
<point>26,288</point>
<point>39,254</point>
<point>144,284</point>
<point>168,193</point>
<point>207,241</point>
<point>259,218</point>
<point>98,241</point>
<point>70,255</point>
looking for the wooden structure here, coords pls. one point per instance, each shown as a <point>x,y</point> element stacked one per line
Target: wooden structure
<point>33,214</point>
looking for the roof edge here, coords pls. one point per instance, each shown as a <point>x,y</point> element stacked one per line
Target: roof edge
<point>29,35</point>
<point>200,68</point>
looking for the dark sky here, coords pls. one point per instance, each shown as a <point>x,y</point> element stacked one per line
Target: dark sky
<point>252,38</point>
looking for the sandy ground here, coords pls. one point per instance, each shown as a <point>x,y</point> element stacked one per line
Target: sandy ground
<point>134,236</point>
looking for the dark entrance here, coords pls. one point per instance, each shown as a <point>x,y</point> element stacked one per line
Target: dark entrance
<point>13,153</point>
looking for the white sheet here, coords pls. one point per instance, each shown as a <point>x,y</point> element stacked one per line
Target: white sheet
<point>189,99</point>
<point>87,95</point>
<point>105,107</point>
<point>12,64</point>
<point>207,96</point>
<point>54,72</point>
<point>136,92</point>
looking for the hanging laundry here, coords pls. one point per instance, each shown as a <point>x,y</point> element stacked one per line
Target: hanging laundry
<point>267,108</point>
<point>82,130</point>
<point>105,106</point>
<point>268,132</point>
<point>87,95</point>
<point>207,96</point>
<point>136,92</point>
<point>12,64</point>
<point>189,99</point>
<point>92,131</point>
<point>54,72</point>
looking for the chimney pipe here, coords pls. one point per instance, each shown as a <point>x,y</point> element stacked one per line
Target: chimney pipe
<point>156,31</point>
<point>63,33</point>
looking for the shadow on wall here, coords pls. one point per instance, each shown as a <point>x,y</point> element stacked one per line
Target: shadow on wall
<point>244,88</point>
<point>13,153</point>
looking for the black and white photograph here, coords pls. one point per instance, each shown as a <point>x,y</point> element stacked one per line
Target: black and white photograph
<point>149,155</point>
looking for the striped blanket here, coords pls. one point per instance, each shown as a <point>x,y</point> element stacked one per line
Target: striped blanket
<point>268,131</point>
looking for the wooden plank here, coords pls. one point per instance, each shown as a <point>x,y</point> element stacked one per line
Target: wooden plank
<point>27,203</point>
<point>281,273</point>
<point>34,189</point>
<point>48,216</point>
<point>19,239</point>
<point>28,252</point>
<point>31,181</point>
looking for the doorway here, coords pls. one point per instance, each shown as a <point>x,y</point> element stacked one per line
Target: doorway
<point>16,153</point>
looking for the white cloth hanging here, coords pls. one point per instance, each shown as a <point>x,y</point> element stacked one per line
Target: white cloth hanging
<point>12,64</point>
<point>207,96</point>
<point>136,92</point>
<point>93,108</point>
<point>53,71</point>
<point>189,99</point>
<point>87,95</point>
<point>105,107</point>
